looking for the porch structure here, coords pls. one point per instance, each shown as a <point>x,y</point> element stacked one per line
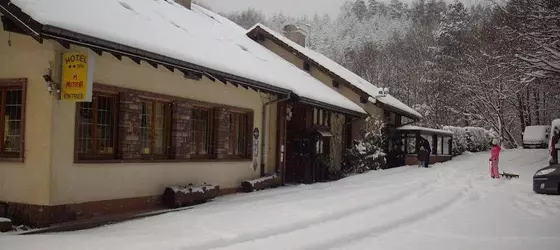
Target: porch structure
<point>404,141</point>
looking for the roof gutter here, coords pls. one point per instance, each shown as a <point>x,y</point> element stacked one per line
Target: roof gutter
<point>332,107</point>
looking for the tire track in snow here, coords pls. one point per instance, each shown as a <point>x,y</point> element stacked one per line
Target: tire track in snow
<point>375,177</point>
<point>339,242</point>
<point>302,224</point>
<point>342,192</point>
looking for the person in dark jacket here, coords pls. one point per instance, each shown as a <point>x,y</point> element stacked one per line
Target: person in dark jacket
<point>420,154</point>
<point>424,153</point>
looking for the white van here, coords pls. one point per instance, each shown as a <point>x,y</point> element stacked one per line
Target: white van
<point>536,136</point>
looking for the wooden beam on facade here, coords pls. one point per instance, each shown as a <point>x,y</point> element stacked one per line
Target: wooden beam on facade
<point>136,60</point>
<point>223,80</point>
<point>153,64</point>
<point>210,77</point>
<point>119,57</point>
<point>364,99</point>
<point>170,68</point>
<point>97,51</point>
<point>64,44</point>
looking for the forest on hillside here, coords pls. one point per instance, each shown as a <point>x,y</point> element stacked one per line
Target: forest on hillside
<point>494,65</point>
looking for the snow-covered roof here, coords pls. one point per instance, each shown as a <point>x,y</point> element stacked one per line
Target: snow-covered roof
<point>342,72</point>
<point>195,36</point>
<point>430,130</point>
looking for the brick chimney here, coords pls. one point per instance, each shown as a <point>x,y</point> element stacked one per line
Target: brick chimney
<point>295,34</point>
<point>185,3</point>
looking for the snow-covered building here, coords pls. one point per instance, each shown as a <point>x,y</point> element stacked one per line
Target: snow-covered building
<point>105,103</point>
<point>291,46</point>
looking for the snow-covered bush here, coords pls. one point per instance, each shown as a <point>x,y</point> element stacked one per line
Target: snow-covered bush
<point>473,139</point>
<point>366,153</point>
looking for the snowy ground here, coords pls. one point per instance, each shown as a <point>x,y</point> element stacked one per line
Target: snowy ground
<point>454,205</point>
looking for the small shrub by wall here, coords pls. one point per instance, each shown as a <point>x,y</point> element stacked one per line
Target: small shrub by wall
<point>366,153</point>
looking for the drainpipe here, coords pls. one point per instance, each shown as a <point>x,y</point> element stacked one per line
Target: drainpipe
<point>263,117</point>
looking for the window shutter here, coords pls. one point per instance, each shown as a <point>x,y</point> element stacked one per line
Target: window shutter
<point>220,147</point>
<point>250,135</point>
<point>130,120</point>
<point>181,130</point>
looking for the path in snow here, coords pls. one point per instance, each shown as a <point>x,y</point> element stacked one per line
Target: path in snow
<point>454,205</point>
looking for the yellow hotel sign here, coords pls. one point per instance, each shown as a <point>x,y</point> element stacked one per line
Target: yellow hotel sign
<point>77,76</point>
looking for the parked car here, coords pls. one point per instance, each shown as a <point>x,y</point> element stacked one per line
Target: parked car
<point>536,136</point>
<point>547,180</point>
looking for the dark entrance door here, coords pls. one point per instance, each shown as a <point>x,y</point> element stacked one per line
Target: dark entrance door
<point>298,144</point>
<point>298,158</point>
<point>321,152</point>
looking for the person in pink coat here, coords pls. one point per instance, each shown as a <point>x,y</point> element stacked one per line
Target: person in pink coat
<point>494,159</point>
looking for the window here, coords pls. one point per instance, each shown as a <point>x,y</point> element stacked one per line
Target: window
<point>327,116</point>
<point>306,67</point>
<point>446,143</point>
<point>348,133</point>
<point>238,135</point>
<point>11,120</point>
<point>434,144</point>
<point>319,147</point>
<point>201,133</point>
<point>440,145</point>
<point>315,114</point>
<point>321,117</point>
<point>97,126</point>
<point>411,144</point>
<point>335,84</point>
<point>155,128</point>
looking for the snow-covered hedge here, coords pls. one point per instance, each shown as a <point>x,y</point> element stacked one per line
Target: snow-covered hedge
<point>473,139</point>
<point>367,154</point>
<point>477,140</point>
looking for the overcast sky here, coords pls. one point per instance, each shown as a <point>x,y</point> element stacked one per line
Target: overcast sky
<point>290,7</point>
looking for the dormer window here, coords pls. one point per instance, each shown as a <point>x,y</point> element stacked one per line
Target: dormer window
<point>335,84</point>
<point>306,66</point>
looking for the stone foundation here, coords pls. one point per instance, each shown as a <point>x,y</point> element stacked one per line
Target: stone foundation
<point>44,215</point>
